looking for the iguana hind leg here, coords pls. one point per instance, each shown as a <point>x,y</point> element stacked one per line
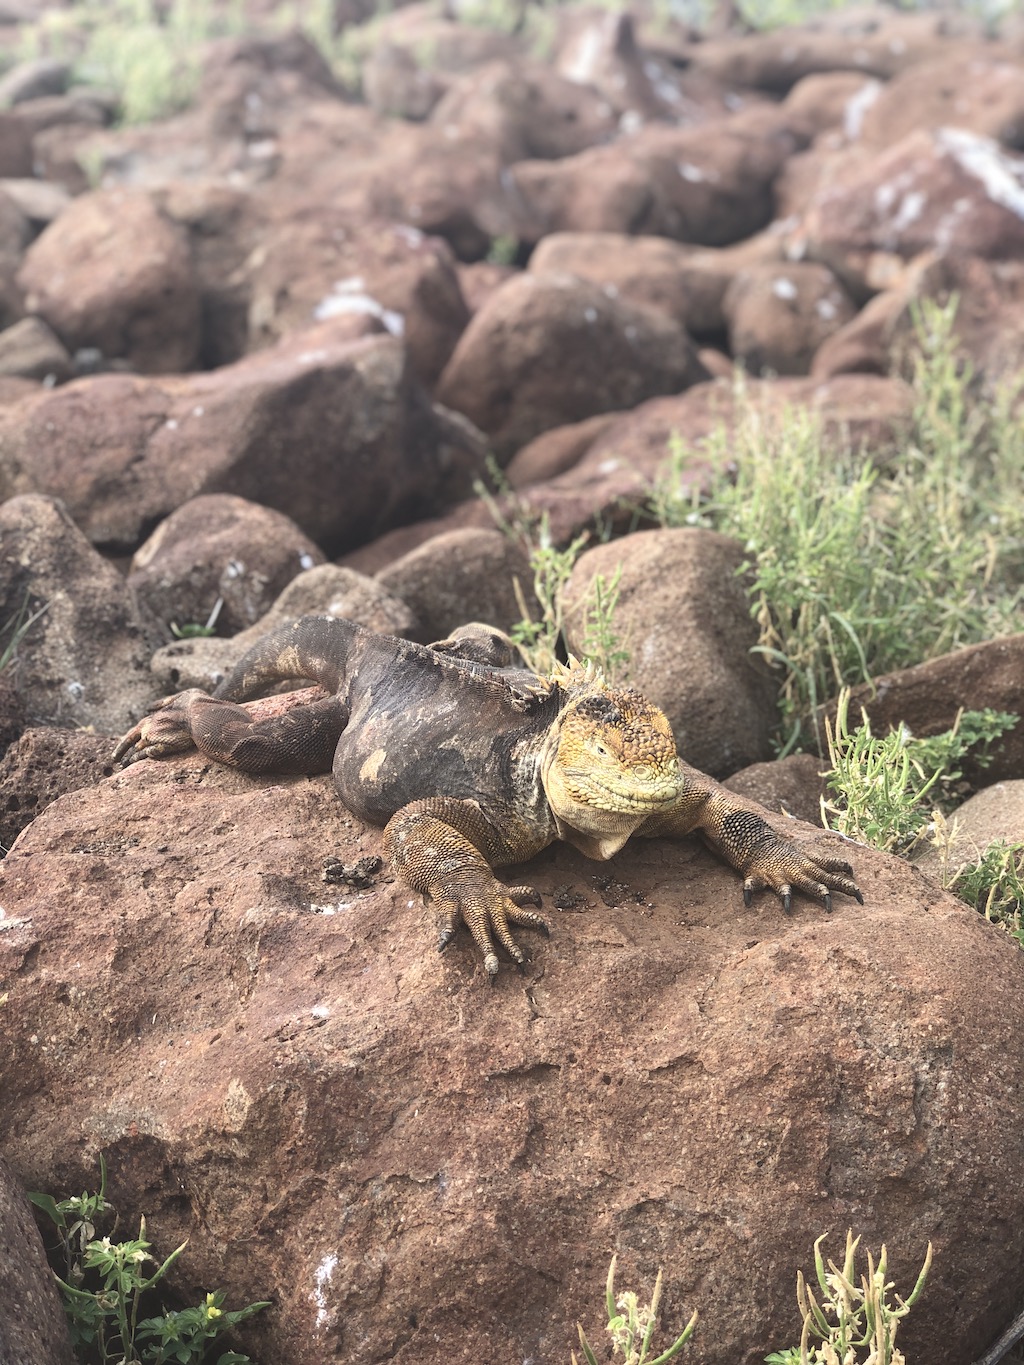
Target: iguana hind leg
<point>441,847</point>
<point>299,740</point>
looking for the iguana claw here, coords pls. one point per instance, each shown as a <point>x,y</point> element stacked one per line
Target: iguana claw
<point>165,730</point>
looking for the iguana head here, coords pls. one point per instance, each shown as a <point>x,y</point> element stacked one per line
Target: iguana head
<point>610,762</point>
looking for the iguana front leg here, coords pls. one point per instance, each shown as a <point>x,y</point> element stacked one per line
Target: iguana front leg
<point>444,849</point>
<point>738,831</point>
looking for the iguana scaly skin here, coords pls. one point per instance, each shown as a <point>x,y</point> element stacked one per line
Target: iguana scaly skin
<point>471,762</point>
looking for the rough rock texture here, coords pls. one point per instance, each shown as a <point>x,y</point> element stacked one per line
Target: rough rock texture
<point>308,270</point>
<point>44,763</point>
<point>219,548</point>
<point>13,716</point>
<point>85,660</point>
<point>465,575</point>
<point>779,315</point>
<point>945,188</point>
<point>326,590</point>
<point>689,633</point>
<point>333,433</point>
<point>553,452</point>
<point>114,273</point>
<point>687,282</point>
<point>526,110</point>
<point>32,1326</point>
<point>962,91</point>
<point>989,299</point>
<point>30,349</point>
<point>858,38</point>
<point>710,185</point>
<point>549,349</point>
<point>794,785</point>
<point>415,1168</point>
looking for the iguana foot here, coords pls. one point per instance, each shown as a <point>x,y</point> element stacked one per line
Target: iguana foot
<point>165,730</point>
<point>488,912</point>
<point>784,867</point>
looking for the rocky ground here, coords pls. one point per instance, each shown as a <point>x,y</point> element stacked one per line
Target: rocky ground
<point>252,359</point>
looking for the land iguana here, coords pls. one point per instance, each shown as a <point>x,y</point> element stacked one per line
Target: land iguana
<point>471,761</point>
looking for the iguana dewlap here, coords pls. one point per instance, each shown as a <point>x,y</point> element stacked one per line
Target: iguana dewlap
<point>471,762</point>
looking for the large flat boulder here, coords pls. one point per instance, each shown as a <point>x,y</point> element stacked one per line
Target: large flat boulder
<point>412,1165</point>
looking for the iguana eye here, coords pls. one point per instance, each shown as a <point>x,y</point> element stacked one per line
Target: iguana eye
<point>600,749</point>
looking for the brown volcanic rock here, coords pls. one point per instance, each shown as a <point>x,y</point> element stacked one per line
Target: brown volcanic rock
<point>410,1165</point>
<point>982,94</point>
<point>709,185</point>
<point>219,548</point>
<point>327,590</point>
<point>461,576</point>
<point>780,314</point>
<point>928,696</point>
<point>949,190</point>
<point>525,109</point>
<point>112,272</point>
<point>686,282</point>
<point>33,1330</point>
<point>862,38</point>
<point>46,762</point>
<point>308,271</point>
<point>683,614</point>
<point>873,410</point>
<point>85,659</point>
<point>332,432</point>
<point>987,322</point>
<point>549,349</point>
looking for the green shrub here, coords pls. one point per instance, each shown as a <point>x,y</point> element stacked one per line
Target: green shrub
<point>857,569</point>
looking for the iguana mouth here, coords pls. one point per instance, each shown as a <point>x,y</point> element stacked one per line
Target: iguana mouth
<point>628,801</point>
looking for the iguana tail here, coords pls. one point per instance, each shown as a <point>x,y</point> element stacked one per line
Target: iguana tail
<point>324,649</point>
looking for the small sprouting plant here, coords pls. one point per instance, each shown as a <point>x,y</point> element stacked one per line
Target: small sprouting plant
<point>75,1218</point>
<point>542,641</point>
<point>853,1314</point>
<point>106,1285</point>
<point>631,1327</point>
<point>193,630</point>
<point>16,627</point>
<point>503,250</point>
<point>601,641</point>
<point>885,790</point>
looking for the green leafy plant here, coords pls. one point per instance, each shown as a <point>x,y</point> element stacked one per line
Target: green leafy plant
<point>106,1284</point>
<point>854,1313</point>
<point>994,885</point>
<point>857,569</point>
<point>631,1326</point>
<point>885,790</point>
